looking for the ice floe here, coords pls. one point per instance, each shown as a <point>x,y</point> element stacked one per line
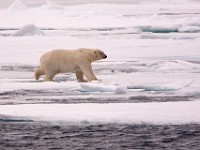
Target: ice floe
<point>135,113</point>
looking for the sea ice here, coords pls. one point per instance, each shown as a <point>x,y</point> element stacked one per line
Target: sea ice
<point>152,113</point>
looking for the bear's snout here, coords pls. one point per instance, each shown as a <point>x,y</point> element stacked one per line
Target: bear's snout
<point>105,56</point>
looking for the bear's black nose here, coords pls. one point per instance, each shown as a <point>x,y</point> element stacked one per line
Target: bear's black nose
<point>105,56</point>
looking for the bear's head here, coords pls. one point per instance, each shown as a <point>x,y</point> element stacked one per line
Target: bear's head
<point>98,55</point>
<point>93,54</point>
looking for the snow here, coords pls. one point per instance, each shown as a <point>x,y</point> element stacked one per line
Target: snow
<point>152,47</point>
<point>153,113</point>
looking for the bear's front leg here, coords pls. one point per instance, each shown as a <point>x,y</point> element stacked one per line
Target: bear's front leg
<point>79,76</point>
<point>87,70</point>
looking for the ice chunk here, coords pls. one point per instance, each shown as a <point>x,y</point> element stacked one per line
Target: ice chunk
<point>29,30</point>
<point>17,5</point>
<point>100,87</point>
<point>190,29</point>
<point>152,87</point>
<point>52,6</point>
<point>177,65</point>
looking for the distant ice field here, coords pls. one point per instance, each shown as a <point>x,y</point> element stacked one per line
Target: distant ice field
<point>7,3</point>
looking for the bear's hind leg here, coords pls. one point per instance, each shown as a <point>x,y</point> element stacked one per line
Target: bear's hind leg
<point>38,72</point>
<point>49,74</point>
<point>48,77</point>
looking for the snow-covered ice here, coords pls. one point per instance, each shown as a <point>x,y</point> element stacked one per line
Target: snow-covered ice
<point>153,51</point>
<point>153,113</point>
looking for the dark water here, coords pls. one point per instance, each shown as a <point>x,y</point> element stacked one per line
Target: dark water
<point>39,136</point>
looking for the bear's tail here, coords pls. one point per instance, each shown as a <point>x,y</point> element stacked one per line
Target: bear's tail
<point>38,72</point>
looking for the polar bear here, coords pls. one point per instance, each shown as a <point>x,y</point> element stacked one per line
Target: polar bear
<point>63,61</point>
